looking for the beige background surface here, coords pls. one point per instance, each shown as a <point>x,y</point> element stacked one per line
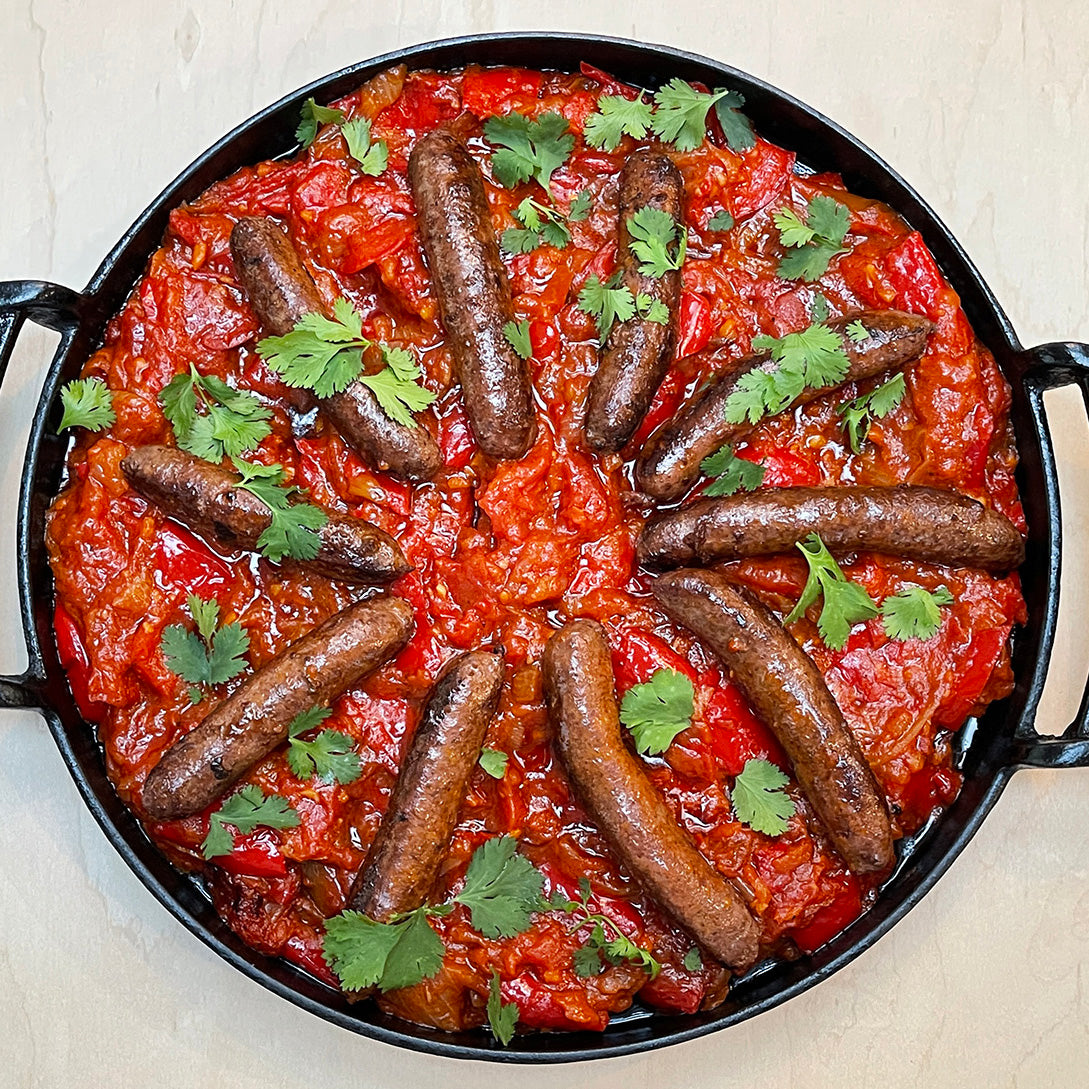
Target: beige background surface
<point>984,106</point>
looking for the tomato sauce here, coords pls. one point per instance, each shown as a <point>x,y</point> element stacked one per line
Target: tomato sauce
<point>505,552</point>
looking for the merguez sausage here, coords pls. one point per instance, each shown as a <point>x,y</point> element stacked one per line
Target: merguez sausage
<point>913,522</point>
<point>249,724</point>
<point>578,680</point>
<point>670,462</point>
<point>473,294</point>
<point>208,500</point>
<point>281,292</point>
<point>412,840</point>
<point>638,352</point>
<point>789,694</point>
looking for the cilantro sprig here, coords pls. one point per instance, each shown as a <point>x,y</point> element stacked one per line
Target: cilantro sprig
<point>811,358</point>
<point>731,473</point>
<point>329,757</point>
<point>845,602</point>
<point>312,117</point>
<point>913,613</point>
<point>617,117</point>
<point>540,226</point>
<point>608,303</point>
<point>759,799</point>
<point>250,808</point>
<point>371,157</point>
<point>293,530</point>
<point>721,221</point>
<point>528,149</point>
<point>653,235</point>
<point>397,386</point>
<point>814,240</point>
<point>502,1016</point>
<point>493,762</point>
<point>658,710</point>
<point>211,419</point>
<point>209,656</point>
<point>87,403</point>
<point>517,335</point>
<point>681,116</point>
<point>860,413</point>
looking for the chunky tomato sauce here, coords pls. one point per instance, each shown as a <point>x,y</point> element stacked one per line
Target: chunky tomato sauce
<point>504,553</point>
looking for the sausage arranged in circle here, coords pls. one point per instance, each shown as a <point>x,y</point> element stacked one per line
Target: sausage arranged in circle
<point>787,691</point>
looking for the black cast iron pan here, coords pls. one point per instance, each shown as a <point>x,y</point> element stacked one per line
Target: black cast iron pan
<point>988,751</point>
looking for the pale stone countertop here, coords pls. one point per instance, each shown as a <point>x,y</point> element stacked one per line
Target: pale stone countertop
<point>984,106</point>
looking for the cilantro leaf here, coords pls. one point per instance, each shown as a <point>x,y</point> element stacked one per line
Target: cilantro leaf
<point>652,233</point>
<point>528,149</point>
<point>815,240</point>
<point>312,116</point>
<point>205,614</point>
<point>207,656</point>
<point>372,158</point>
<point>606,304</point>
<point>651,309</point>
<point>250,808</point>
<point>736,127</point>
<point>721,221</point>
<point>493,762</point>
<point>356,948</point>
<point>397,387</point>
<point>517,334</point>
<point>681,117</point>
<point>330,757</point>
<point>540,226</point>
<point>293,529</point>
<point>580,207</point>
<point>860,413</point>
<point>598,949</point>
<point>913,612</point>
<point>793,231</point>
<point>845,602</point>
<point>857,331</point>
<point>502,1016</point>
<point>818,308</point>
<point>305,721</point>
<point>658,710</point>
<point>616,118</point>
<point>731,473</point>
<point>88,403</point>
<point>211,419</point>
<point>415,956</point>
<point>519,240</point>
<point>693,961</point>
<point>502,888</point>
<point>759,800</point>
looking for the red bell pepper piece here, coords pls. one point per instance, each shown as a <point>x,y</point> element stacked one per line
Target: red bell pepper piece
<point>306,954</point>
<point>77,664</point>
<point>915,276</point>
<point>455,438</point>
<point>637,656</point>
<point>831,918</point>
<point>256,854</point>
<point>183,562</point>
<point>694,324</point>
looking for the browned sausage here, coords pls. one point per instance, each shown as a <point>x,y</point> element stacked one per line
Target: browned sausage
<point>473,294</point>
<point>788,693</point>
<point>637,353</point>
<point>412,840</point>
<point>670,462</point>
<point>917,523</point>
<point>250,723</point>
<point>208,500</point>
<point>281,292</point>
<point>578,680</point>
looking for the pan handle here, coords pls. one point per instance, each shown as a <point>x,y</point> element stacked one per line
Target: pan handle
<point>1049,367</point>
<point>61,309</point>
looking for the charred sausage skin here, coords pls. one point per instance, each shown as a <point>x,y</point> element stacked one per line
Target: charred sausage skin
<point>254,720</point>
<point>578,682</point>
<point>637,352</point>
<point>474,297</point>
<point>209,501</point>
<point>787,691</point>
<point>281,292</point>
<point>414,836</point>
<point>915,522</point>
<point>670,462</point>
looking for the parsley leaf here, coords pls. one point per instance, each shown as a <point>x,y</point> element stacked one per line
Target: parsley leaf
<point>616,118</point>
<point>211,419</point>
<point>501,888</point>
<point>860,413</point>
<point>517,334</point>
<point>658,710</point>
<point>652,233</point>
<point>606,303</point>
<point>580,207</point>
<point>759,799</point>
<point>87,402</point>
<point>599,949</point>
<point>681,117</point>
<point>815,240</point>
<point>502,1016</point>
<point>693,961</point>
<point>731,472</point>
<point>813,357</point>
<point>913,612</point>
<point>845,602</point>
<point>330,757</point>
<point>372,158</point>
<point>720,221</point>
<point>293,529</point>
<point>397,387</point>
<point>493,762</point>
<point>207,656</point>
<point>250,808</point>
<point>529,149</point>
<point>312,116</point>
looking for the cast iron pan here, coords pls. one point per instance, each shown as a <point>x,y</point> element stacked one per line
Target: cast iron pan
<point>988,751</point>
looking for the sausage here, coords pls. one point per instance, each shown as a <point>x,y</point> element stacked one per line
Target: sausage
<point>415,832</point>
<point>250,723</point>
<point>281,292</point>
<point>637,353</point>
<point>670,462</point>
<point>578,681</point>
<point>788,693</point>
<point>208,500</point>
<point>913,522</point>
<point>473,294</point>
